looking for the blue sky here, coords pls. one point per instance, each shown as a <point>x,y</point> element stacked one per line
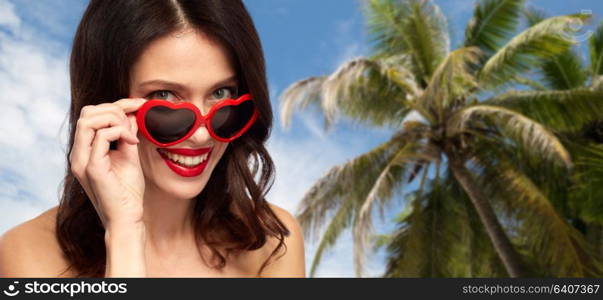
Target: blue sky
<point>301,38</point>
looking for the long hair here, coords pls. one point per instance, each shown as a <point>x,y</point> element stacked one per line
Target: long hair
<point>109,39</point>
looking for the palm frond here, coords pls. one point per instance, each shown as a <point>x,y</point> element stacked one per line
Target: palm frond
<point>533,137</point>
<point>587,192</point>
<point>336,226</point>
<point>382,191</point>
<point>409,27</point>
<point>534,85</point>
<point>440,236</point>
<point>345,187</point>
<point>339,185</point>
<point>379,92</point>
<point>299,96</point>
<point>566,111</point>
<point>416,249</point>
<point>546,39</point>
<point>563,71</point>
<point>595,44</point>
<point>492,24</point>
<point>452,80</point>
<point>558,249</point>
<point>597,83</point>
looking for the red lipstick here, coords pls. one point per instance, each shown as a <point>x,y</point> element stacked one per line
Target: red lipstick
<point>183,170</point>
<point>187,152</point>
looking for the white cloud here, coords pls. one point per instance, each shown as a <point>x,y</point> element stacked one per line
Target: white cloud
<point>19,212</point>
<point>315,126</point>
<point>56,19</point>
<point>299,163</point>
<point>35,92</point>
<point>8,17</point>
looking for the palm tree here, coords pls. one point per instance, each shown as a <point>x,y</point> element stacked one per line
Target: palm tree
<point>563,99</point>
<point>565,85</point>
<point>413,71</point>
<point>440,235</point>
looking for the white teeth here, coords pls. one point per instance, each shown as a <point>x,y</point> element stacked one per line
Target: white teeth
<point>189,161</point>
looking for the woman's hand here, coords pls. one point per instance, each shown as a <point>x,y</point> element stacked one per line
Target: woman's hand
<point>112,179</point>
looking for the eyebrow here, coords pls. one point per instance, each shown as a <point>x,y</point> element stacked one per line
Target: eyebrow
<point>178,86</point>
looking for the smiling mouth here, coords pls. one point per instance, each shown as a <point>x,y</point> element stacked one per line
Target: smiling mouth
<point>188,161</point>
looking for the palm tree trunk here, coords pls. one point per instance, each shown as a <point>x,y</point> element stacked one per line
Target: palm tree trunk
<point>498,237</point>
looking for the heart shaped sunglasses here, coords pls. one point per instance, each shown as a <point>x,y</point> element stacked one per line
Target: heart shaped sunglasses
<point>165,123</point>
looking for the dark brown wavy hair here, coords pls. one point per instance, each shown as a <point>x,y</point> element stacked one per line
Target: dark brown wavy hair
<point>231,213</point>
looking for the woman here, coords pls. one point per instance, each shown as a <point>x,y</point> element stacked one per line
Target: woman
<point>146,193</point>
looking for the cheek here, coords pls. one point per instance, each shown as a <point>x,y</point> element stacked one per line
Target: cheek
<point>218,152</point>
<point>147,154</point>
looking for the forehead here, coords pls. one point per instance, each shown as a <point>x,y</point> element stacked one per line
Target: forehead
<point>187,57</point>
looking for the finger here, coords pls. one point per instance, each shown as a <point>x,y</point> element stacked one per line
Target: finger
<point>85,131</point>
<point>118,108</point>
<point>130,104</point>
<point>130,150</point>
<point>84,134</point>
<point>102,141</point>
<point>104,108</point>
<point>133,123</point>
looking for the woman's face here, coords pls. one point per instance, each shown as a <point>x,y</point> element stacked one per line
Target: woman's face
<point>183,66</point>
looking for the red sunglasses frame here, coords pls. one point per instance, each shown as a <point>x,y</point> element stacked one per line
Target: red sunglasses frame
<point>199,118</point>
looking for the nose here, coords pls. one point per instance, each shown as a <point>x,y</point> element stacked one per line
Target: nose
<point>200,137</point>
<point>202,106</point>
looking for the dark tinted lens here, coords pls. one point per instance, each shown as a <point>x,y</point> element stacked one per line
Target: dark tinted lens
<point>229,120</point>
<point>167,125</point>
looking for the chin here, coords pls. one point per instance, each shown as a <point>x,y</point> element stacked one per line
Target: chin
<point>185,195</point>
<point>182,190</point>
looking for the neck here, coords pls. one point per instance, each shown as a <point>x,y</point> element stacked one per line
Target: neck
<point>168,220</point>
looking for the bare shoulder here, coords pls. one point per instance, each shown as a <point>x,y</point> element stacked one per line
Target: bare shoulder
<point>290,261</point>
<point>288,220</point>
<point>31,249</point>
